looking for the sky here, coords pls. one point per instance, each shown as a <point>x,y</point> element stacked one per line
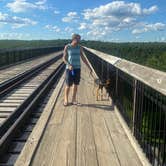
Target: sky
<point>104,20</point>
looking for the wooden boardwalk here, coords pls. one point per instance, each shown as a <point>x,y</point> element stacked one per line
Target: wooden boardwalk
<point>85,135</point>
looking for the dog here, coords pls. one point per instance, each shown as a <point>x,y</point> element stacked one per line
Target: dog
<point>99,85</point>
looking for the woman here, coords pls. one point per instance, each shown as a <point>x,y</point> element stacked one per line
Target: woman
<point>71,57</point>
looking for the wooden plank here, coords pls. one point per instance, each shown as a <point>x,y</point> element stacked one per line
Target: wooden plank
<point>11,101</point>
<point>86,147</point>
<point>126,153</point>
<point>9,104</point>
<point>18,95</point>
<point>31,85</point>
<point>7,108</point>
<point>106,151</point>
<point>15,98</point>
<point>25,90</point>
<point>2,120</point>
<point>4,114</point>
<point>86,150</point>
<point>61,147</point>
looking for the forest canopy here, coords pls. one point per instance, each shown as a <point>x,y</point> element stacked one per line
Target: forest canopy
<point>152,54</point>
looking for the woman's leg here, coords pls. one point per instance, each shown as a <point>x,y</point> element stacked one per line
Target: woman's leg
<point>76,81</point>
<point>74,90</point>
<point>67,89</point>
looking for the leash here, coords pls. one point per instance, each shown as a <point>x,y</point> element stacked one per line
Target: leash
<point>90,75</point>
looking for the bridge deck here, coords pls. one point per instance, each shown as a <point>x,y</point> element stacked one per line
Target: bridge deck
<point>90,134</point>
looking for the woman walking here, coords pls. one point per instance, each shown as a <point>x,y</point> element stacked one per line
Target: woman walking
<point>71,57</point>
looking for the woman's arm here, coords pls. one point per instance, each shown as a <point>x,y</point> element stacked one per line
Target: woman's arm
<point>65,57</point>
<point>84,59</point>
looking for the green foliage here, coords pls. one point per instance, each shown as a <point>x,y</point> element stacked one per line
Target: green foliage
<point>29,44</point>
<point>148,54</point>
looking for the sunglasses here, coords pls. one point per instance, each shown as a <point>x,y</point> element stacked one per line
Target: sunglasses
<point>78,39</point>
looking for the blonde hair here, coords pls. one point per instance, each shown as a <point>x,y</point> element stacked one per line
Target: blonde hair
<point>74,36</point>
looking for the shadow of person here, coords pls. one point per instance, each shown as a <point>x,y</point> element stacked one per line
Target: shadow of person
<point>98,106</point>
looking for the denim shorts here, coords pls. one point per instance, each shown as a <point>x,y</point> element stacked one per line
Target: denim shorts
<point>73,78</point>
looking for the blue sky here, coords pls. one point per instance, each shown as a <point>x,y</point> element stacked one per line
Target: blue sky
<point>106,20</point>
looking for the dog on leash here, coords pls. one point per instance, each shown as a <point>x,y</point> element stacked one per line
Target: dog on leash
<point>99,85</point>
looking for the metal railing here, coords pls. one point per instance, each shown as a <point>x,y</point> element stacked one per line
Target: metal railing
<point>11,56</point>
<point>140,94</point>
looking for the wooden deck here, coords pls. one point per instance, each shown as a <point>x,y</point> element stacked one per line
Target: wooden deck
<point>89,134</point>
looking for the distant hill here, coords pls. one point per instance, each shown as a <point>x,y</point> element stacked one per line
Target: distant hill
<point>152,54</point>
<point>32,43</point>
<point>147,54</point>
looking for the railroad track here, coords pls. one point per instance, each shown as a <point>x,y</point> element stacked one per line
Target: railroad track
<point>16,69</point>
<point>20,103</point>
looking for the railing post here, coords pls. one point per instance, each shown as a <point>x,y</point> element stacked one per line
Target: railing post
<point>134,103</point>
<point>116,88</point>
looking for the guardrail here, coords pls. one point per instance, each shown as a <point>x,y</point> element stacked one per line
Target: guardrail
<point>11,56</point>
<point>139,93</point>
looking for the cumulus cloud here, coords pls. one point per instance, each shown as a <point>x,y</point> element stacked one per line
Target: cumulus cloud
<point>114,9</point>
<point>83,26</point>
<point>149,27</point>
<point>71,16</point>
<point>52,28</point>
<point>18,6</point>
<point>41,2</point>
<point>16,22</point>
<point>151,10</point>
<point>56,11</point>
<point>68,29</point>
<point>116,16</point>
<point>14,35</point>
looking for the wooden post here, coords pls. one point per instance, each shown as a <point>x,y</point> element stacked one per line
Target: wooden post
<point>116,90</point>
<point>134,103</point>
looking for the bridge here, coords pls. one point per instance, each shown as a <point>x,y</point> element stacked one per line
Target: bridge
<point>126,127</point>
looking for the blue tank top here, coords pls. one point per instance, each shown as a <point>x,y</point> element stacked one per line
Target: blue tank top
<point>73,56</point>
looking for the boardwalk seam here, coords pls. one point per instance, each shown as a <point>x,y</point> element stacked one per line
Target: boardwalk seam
<point>76,128</point>
<point>94,138</point>
<point>112,141</point>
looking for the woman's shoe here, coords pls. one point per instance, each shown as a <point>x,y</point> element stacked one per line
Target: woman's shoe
<point>76,103</point>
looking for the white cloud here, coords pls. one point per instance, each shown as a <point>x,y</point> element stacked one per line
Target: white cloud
<point>52,28</point>
<point>14,36</point>
<point>16,22</point>
<point>151,10</point>
<point>116,16</point>
<point>56,12</point>
<point>149,27</point>
<point>163,39</point>
<point>41,2</point>
<point>83,26</point>
<point>115,8</point>
<point>71,16</point>
<point>18,6</point>
<point>68,29</point>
